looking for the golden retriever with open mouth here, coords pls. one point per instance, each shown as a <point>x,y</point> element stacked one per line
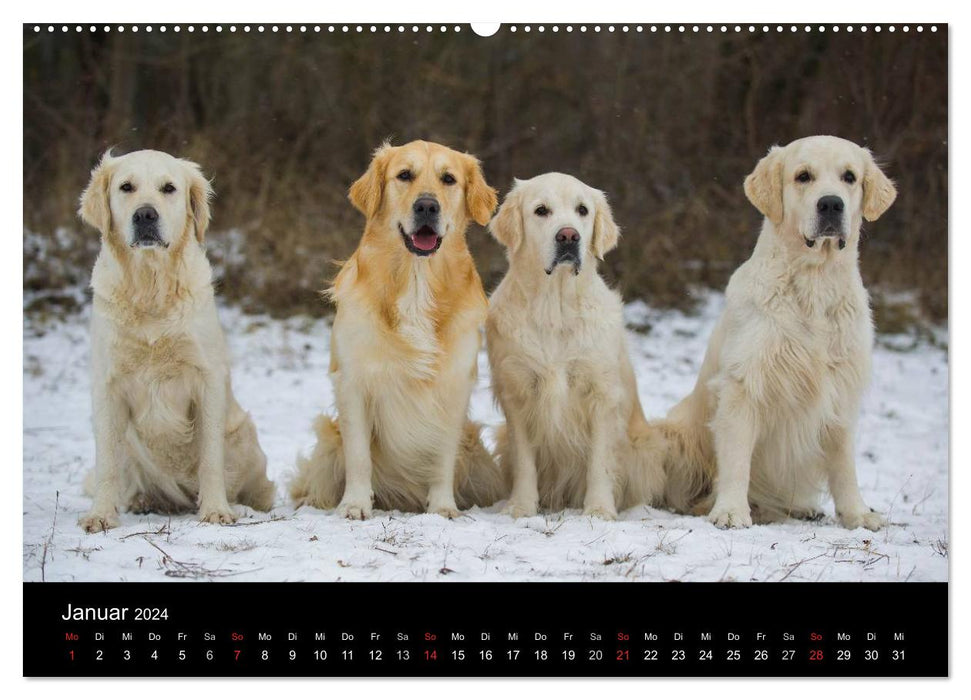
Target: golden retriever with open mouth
<point>772,417</point>
<point>575,432</point>
<point>168,431</point>
<point>404,346</point>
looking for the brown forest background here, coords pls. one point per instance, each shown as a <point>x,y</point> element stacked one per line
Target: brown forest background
<point>667,124</point>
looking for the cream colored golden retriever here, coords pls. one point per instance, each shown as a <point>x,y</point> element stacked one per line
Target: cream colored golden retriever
<point>772,417</point>
<point>404,346</point>
<point>168,432</point>
<point>575,432</point>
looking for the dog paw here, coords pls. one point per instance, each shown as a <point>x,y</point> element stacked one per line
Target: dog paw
<point>520,509</point>
<point>446,511</point>
<point>217,516</point>
<point>354,510</point>
<point>871,520</point>
<point>600,504</point>
<point>98,522</point>
<point>601,512</point>
<point>726,517</point>
<point>442,501</point>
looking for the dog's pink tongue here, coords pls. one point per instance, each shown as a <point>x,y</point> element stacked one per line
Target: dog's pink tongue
<point>424,241</point>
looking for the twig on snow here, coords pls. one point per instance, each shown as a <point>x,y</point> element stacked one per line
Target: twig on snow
<point>50,538</point>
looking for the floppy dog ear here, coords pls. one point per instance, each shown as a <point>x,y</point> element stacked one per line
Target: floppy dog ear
<point>763,186</point>
<point>507,226</point>
<point>200,192</point>
<point>94,208</point>
<point>366,192</point>
<point>480,199</point>
<point>878,189</point>
<point>605,231</point>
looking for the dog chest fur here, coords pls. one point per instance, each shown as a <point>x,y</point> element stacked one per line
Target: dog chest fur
<point>546,351</point>
<point>806,340</point>
<point>406,373</point>
<point>161,382</point>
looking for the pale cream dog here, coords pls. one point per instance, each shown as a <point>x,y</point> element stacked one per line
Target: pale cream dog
<point>772,417</point>
<point>404,346</point>
<point>168,431</point>
<point>575,434</point>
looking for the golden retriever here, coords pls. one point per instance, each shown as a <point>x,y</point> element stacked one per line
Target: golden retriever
<point>404,346</point>
<point>772,417</point>
<point>168,431</point>
<point>575,432</point>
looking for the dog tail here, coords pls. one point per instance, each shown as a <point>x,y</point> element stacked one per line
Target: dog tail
<point>646,477</point>
<point>479,479</point>
<point>686,456</point>
<point>319,481</point>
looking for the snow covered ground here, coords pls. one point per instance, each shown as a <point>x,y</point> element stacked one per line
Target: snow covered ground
<point>280,376</point>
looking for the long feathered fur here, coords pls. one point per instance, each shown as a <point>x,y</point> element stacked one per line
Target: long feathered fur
<point>789,359</point>
<point>319,481</point>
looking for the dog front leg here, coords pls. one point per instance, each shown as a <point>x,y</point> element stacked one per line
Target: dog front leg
<point>599,497</point>
<point>735,431</point>
<point>524,500</point>
<point>110,424</point>
<point>356,437</point>
<point>851,509</point>
<point>213,504</point>
<point>441,490</point>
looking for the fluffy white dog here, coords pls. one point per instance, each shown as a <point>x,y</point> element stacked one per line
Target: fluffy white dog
<point>575,432</point>
<point>168,431</point>
<point>772,417</point>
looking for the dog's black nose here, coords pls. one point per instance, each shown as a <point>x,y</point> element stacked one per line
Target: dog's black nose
<point>567,235</point>
<point>144,215</point>
<point>830,205</point>
<point>427,206</point>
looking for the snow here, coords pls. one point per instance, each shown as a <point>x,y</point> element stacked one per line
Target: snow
<point>280,376</point>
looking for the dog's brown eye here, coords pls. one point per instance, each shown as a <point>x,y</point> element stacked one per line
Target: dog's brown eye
<point>804,176</point>
<point>406,176</point>
<point>541,210</point>
<point>848,177</point>
<point>126,187</point>
<point>168,188</point>
<point>448,179</point>
<point>582,210</point>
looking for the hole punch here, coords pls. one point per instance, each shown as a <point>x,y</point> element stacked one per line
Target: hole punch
<point>485,29</point>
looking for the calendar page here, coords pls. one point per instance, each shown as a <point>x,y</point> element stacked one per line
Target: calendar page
<point>531,349</point>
